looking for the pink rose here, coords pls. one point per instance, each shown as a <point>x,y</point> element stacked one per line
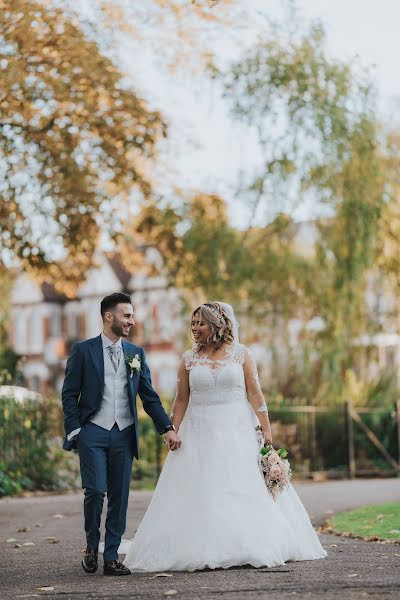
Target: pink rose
<point>275,472</point>
<point>273,458</point>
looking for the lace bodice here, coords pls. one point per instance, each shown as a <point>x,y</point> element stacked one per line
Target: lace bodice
<point>235,354</point>
<point>219,381</point>
<point>212,383</point>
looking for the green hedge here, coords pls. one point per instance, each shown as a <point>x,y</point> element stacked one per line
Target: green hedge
<point>31,454</point>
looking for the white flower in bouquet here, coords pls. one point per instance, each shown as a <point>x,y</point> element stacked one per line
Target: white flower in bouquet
<point>275,469</point>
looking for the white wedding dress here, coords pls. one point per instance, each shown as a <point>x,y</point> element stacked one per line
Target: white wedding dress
<point>211,507</point>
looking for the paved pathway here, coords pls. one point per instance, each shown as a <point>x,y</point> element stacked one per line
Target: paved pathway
<point>353,569</point>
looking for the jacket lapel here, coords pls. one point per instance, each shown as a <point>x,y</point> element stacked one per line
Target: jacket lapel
<point>96,352</point>
<point>133,381</point>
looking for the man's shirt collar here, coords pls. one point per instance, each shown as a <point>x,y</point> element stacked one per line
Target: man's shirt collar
<point>107,342</point>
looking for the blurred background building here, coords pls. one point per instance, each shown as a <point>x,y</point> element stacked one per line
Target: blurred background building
<point>46,323</point>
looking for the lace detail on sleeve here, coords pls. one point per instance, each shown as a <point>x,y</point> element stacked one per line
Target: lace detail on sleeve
<point>254,374</point>
<point>253,383</point>
<point>188,357</point>
<point>238,353</point>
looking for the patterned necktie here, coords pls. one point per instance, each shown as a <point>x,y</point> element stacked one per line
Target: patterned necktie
<point>115,355</point>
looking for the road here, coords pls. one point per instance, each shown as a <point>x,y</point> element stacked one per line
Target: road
<point>53,524</point>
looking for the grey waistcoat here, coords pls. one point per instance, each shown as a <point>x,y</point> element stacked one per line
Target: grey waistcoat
<point>115,404</point>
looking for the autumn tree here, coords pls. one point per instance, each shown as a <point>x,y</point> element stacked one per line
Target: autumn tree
<point>202,253</point>
<point>182,33</point>
<point>73,138</point>
<point>387,256</point>
<point>8,358</point>
<point>320,143</point>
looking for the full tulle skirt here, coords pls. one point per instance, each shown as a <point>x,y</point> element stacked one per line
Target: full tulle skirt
<point>211,507</point>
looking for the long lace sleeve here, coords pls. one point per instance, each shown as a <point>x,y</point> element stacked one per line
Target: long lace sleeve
<point>182,394</point>
<point>255,395</point>
<point>254,392</point>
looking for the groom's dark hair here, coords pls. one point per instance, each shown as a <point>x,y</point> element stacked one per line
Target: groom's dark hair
<point>111,301</point>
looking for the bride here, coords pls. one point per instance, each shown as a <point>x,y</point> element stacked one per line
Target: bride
<point>211,507</point>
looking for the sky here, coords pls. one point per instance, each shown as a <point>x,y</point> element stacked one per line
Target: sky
<point>366,30</point>
<point>207,149</point>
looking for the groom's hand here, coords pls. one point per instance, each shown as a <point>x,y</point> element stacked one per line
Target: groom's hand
<point>172,441</point>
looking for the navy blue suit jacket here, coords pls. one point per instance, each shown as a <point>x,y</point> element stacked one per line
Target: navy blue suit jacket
<point>83,388</point>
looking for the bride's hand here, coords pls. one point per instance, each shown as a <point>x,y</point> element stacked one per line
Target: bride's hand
<point>172,441</point>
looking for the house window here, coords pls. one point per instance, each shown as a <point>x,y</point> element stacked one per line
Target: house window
<point>21,333</point>
<point>46,328</point>
<point>36,331</point>
<point>81,324</point>
<point>155,321</point>
<point>55,325</point>
<point>76,326</point>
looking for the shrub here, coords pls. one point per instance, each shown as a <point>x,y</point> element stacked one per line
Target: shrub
<point>25,438</point>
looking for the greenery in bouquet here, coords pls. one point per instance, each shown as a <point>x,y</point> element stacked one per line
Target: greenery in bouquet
<point>275,468</point>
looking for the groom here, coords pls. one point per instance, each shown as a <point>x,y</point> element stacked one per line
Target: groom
<point>102,378</point>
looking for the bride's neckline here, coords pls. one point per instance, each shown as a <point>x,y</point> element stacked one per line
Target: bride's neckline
<point>228,351</point>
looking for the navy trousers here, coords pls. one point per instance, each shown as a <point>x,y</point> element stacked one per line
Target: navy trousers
<point>106,467</point>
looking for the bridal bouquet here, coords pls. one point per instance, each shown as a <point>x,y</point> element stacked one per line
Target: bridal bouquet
<point>275,469</point>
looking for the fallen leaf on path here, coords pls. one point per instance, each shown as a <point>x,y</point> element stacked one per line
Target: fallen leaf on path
<point>52,540</point>
<point>161,575</point>
<point>10,540</point>
<point>18,546</point>
<point>332,545</point>
<point>170,593</point>
<point>23,529</point>
<point>58,516</point>
<point>353,575</point>
<point>38,524</point>
<point>28,544</point>
<point>326,529</point>
<point>45,588</point>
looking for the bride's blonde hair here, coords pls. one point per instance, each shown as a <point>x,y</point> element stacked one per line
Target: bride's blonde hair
<point>214,315</point>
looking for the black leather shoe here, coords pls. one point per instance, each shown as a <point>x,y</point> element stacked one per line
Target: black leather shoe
<point>114,567</point>
<point>89,561</point>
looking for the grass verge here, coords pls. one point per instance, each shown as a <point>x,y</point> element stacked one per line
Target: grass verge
<point>380,521</point>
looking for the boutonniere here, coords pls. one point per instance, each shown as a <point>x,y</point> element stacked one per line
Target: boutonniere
<point>133,363</point>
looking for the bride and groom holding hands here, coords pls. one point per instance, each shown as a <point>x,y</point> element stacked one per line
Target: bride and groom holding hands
<point>211,507</point>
